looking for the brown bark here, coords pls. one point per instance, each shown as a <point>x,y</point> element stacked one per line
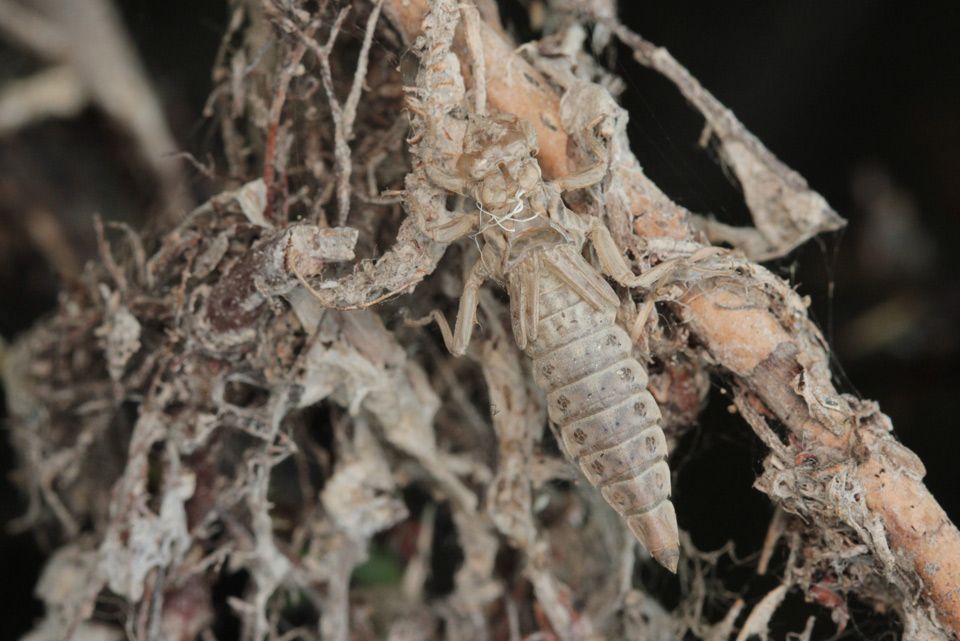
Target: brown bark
<point>750,342</point>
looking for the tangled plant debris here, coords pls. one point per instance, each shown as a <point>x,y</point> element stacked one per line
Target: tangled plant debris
<point>235,405</point>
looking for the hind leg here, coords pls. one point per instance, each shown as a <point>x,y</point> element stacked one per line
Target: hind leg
<point>612,262</point>
<point>615,266</point>
<point>458,339</point>
<point>593,174</point>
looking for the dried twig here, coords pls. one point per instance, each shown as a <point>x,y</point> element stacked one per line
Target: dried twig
<point>509,498</point>
<point>290,69</point>
<point>759,618</point>
<point>345,115</point>
<point>55,92</point>
<point>275,438</point>
<point>87,38</point>
<point>785,210</point>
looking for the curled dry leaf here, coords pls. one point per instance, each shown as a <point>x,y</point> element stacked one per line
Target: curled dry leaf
<point>785,210</point>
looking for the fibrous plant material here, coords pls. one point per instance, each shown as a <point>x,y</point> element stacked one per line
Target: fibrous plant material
<point>235,420</point>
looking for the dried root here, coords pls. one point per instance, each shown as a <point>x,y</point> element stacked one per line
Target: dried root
<point>229,423</point>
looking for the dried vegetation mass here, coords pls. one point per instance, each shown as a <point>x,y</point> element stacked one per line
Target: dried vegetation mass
<point>232,425</point>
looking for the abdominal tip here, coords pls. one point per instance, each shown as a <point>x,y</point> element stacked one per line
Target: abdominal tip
<point>657,531</point>
<point>668,558</point>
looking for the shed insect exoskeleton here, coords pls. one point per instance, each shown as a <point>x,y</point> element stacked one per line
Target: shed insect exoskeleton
<point>564,317</point>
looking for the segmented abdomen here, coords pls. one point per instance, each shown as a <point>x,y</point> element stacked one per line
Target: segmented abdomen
<point>610,424</point>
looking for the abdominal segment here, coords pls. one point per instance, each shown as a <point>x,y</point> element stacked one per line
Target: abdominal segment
<point>608,421</point>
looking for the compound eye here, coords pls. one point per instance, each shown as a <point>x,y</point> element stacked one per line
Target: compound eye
<point>529,176</point>
<point>493,192</point>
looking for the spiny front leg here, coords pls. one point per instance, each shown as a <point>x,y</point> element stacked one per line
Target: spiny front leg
<point>458,339</point>
<point>454,229</point>
<point>591,175</point>
<point>448,181</point>
<point>458,226</point>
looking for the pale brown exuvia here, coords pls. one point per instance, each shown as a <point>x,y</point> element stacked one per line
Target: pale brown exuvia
<point>563,313</point>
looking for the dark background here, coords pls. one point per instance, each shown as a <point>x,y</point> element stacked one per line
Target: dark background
<point>862,98</point>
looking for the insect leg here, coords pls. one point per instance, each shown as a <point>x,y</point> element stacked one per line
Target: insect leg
<point>441,178</point>
<point>580,180</point>
<point>591,175</point>
<point>523,284</point>
<point>454,229</point>
<point>573,270</point>
<point>458,339</point>
<point>613,264</point>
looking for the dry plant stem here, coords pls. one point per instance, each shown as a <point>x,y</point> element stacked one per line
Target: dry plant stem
<point>784,366</point>
<point>87,37</point>
<point>785,210</point>
<point>509,495</point>
<point>345,115</point>
<point>723,629</point>
<point>31,31</point>
<point>759,618</point>
<point>276,110</point>
<point>54,92</point>
<point>47,234</point>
